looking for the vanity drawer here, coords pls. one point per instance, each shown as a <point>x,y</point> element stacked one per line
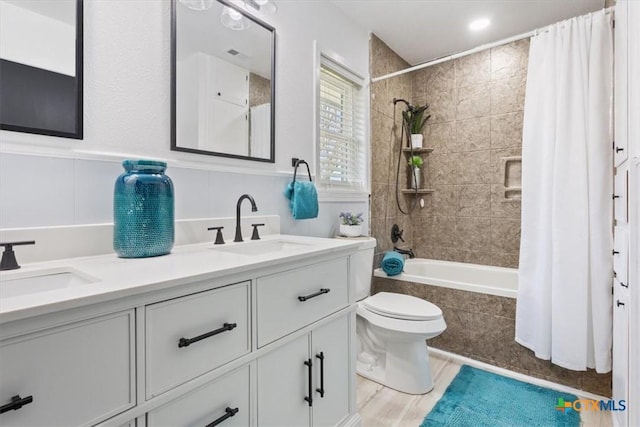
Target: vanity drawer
<point>288,301</point>
<point>208,403</point>
<point>188,336</point>
<point>77,374</point>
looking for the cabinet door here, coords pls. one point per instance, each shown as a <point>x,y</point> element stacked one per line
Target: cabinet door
<point>620,350</point>
<point>225,400</point>
<point>77,374</point>
<point>621,192</point>
<point>283,384</point>
<point>330,345</point>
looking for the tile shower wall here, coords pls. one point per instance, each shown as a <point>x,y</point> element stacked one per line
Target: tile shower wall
<point>477,104</point>
<point>482,327</point>
<point>385,142</point>
<point>475,130</point>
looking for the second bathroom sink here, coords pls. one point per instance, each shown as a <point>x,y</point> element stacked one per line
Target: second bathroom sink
<point>20,283</point>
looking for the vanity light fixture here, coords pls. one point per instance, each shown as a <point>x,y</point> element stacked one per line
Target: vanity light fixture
<point>479,24</point>
<point>233,19</point>
<point>198,4</point>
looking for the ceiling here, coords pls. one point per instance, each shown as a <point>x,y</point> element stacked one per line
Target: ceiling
<point>423,30</point>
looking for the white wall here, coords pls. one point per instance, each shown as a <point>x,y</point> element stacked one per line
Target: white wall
<point>56,181</point>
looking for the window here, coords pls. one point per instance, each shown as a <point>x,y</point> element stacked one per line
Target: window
<point>341,140</point>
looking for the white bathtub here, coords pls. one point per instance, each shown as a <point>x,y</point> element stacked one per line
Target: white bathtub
<point>483,279</point>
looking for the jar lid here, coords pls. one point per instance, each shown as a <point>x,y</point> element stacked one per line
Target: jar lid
<point>155,165</point>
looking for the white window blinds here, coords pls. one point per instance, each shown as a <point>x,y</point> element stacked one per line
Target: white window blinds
<point>341,133</point>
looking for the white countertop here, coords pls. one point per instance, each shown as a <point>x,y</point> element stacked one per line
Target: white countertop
<point>119,277</point>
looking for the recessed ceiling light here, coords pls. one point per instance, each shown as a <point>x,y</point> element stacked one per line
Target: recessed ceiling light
<point>479,24</point>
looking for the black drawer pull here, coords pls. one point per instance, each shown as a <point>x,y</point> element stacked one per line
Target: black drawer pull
<point>186,342</point>
<point>309,398</point>
<point>615,196</point>
<point>321,389</point>
<point>320,292</point>
<point>614,252</point>
<point>229,413</point>
<point>17,402</point>
<point>618,149</point>
<point>618,303</point>
<point>623,285</point>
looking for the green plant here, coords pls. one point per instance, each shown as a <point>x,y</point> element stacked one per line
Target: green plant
<point>349,219</point>
<point>414,118</point>
<point>416,161</point>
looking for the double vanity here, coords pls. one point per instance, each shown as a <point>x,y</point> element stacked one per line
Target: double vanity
<point>259,333</point>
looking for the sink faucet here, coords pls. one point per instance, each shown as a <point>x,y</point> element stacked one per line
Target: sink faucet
<point>405,252</point>
<point>254,208</point>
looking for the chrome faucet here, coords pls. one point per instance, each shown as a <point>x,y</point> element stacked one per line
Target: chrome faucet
<point>405,252</point>
<point>254,208</point>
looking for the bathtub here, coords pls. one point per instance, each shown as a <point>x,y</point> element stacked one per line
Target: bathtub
<point>482,279</point>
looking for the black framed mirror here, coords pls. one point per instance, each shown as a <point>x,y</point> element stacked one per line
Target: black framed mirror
<point>41,67</point>
<point>222,81</point>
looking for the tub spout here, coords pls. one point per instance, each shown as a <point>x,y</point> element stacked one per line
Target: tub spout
<point>405,252</point>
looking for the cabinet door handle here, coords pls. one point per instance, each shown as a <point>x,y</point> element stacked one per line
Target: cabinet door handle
<point>618,303</point>
<point>17,402</point>
<point>309,398</point>
<point>618,149</point>
<point>321,389</point>
<point>614,252</point>
<point>623,285</point>
<point>307,297</point>
<point>228,414</point>
<point>186,342</point>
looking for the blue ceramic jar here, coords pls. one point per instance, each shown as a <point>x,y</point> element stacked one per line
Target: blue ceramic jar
<point>143,210</point>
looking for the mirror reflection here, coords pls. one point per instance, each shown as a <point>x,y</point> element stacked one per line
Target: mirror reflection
<point>41,66</point>
<point>223,82</point>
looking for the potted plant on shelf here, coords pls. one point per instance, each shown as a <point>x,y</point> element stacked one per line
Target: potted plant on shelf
<point>414,121</point>
<point>351,225</point>
<point>415,163</point>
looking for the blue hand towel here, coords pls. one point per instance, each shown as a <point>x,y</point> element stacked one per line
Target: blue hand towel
<point>392,263</point>
<point>303,199</point>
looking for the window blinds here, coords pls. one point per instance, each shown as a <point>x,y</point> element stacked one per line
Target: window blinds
<point>341,142</point>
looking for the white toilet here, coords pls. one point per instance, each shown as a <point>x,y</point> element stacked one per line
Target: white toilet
<point>391,331</point>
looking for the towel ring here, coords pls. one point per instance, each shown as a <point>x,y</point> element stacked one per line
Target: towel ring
<point>295,171</point>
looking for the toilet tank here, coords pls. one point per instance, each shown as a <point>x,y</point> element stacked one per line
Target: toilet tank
<point>363,266</point>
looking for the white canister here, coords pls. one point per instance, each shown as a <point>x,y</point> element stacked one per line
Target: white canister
<point>351,230</point>
<point>416,140</point>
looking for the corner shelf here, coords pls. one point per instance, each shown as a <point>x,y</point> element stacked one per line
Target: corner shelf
<point>407,150</point>
<point>420,191</point>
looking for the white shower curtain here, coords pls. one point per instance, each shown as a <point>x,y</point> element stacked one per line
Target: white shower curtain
<point>564,310</point>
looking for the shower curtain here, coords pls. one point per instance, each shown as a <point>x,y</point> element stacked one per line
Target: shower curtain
<point>564,307</point>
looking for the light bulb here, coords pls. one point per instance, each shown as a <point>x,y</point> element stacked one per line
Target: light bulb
<point>197,4</point>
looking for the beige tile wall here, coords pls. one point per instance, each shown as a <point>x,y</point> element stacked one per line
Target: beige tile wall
<point>476,105</point>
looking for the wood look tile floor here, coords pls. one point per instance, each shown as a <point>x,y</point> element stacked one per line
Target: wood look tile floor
<point>380,406</point>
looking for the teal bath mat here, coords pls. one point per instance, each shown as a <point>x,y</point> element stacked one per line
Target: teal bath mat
<point>477,398</point>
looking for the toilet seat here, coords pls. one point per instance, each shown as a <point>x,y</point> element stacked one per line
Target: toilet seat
<point>403,307</point>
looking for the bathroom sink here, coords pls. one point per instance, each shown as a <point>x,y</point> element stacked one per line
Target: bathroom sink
<point>20,283</point>
<point>263,248</point>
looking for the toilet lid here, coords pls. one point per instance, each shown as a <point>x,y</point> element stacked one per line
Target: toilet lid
<point>400,306</point>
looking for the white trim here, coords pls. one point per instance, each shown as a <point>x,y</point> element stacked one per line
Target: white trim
<point>470,51</point>
<point>327,194</point>
<point>343,196</point>
<point>517,376</point>
<point>118,157</point>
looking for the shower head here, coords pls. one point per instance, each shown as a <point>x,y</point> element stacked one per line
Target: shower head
<point>409,106</point>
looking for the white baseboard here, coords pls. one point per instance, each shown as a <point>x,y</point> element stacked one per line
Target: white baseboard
<point>516,375</point>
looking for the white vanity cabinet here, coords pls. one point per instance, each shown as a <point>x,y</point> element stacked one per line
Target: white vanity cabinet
<point>307,381</point>
<point>78,374</point>
<point>241,347</point>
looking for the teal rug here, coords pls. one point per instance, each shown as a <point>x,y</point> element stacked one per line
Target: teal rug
<point>477,398</point>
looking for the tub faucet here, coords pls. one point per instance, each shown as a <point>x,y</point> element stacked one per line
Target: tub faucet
<point>254,208</point>
<point>405,252</point>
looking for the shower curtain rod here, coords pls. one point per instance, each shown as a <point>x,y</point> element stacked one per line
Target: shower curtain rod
<point>471,51</point>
